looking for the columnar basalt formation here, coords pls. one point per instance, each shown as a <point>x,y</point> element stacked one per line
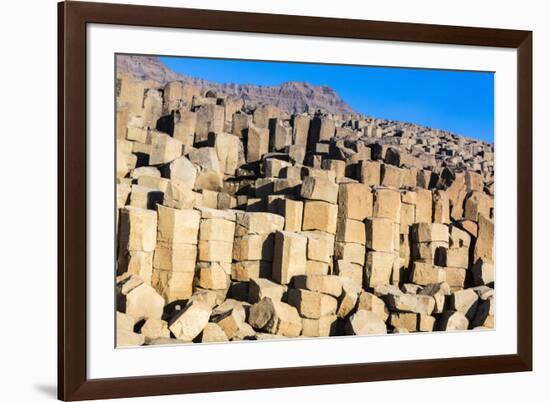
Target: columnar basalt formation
<point>250,223</point>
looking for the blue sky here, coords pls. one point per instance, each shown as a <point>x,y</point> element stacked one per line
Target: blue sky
<point>458,101</point>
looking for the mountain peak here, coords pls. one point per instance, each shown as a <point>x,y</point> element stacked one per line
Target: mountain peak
<point>290,96</point>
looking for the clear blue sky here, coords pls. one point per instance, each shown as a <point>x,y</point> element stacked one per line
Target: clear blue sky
<point>458,101</point>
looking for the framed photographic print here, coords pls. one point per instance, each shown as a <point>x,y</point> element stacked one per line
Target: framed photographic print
<point>253,200</point>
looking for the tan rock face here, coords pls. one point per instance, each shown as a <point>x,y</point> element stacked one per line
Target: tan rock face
<point>311,304</point>
<point>365,323</point>
<point>275,317</point>
<point>320,215</point>
<point>387,204</point>
<point>355,201</point>
<point>138,229</point>
<point>240,220</point>
<point>137,299</point>
<point>378,269</point>
<point>370,302</point>
<point>289,258</point>
<point>320,189</point>
<point>427,274</point>
<point>190,322</point>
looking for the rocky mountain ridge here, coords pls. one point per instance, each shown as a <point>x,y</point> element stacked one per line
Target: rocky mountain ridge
<point>291,97</point>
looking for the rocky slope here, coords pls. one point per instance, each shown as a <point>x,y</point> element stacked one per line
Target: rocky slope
<point>291,97</point>
<point>238,224</point>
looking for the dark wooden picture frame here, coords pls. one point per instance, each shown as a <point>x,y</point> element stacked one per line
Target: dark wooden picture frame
<point>73,17</point>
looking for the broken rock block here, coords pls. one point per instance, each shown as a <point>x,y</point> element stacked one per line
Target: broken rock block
<point>380,234</point>
<point>320,246</point>
<point>478,205</point>
<point>485,241</point>
<point>387,204</point>
<point>292,211</point>
<point>458,238</point>
<point>392,176</point>
<point>408,321</point>
<point>336,166</point>
<point>439,292</point>
<point>289,256</point>
<point>125,335</point>
<point>441,207</point>
<point>139,263</point>
<point>177,226</point>
<point>320,215</point>
<point>184,129</point>
<point>125,159</point>
<point>436,252</point>
<point>231,322</point>
<point>144,171</point>
<point>183,171</point>
<point>327,284</point>
<point>324,326</point>
<point>351,252</point>
<point>137,299</point>
<point>351,231</point>
<point>455,278</point>
<point>280,134</point>
<point>350,272</point>
<point>317,268</point>
<point>311,304</point>
<point>458,257</point>
<point>355,201</point>
<point>348,298</point>
<point>465,302</point>
<point>216,230</point>
<point>144,197</point>
<point>191,321</point>
<point>173,285</point>
<point>178,195</point>
<point>321,129</point>
<point>210,119</point>
<point>261,287</point>
<point>453,321</point>
<point>378,268</point>
<point>424,273</point>
<point>483,273</point>
<point>138,229</point>
<point>212,332</point>
<point>319,189</point>
<point>244,271</point>
<point>485,314</point>
<point>210,174</point>
<point>426,323</point>
<point>230,152</point>
<point>164,149</point>
<point>369,172</point>
<point>155,328</point>
<point>371,302</point>
<point>175,257</point>
<point>254,247</point>
<point>300,129</point>
<point>212,276</point>
<point>257,144</point>
<point>430,232</point>
<point>365,323</point>
<point>421,304</point>
<point>275,317</point>
<point>215,251</point>
<point>258,223</point>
